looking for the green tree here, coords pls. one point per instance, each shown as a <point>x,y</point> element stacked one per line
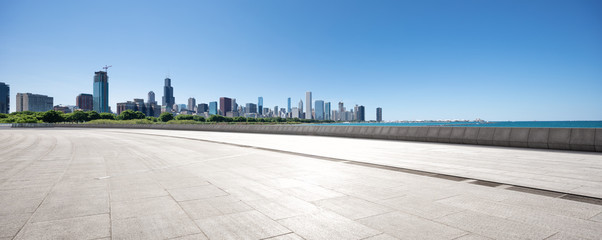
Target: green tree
<point>184,117</point>
<point>217,118</point>
<point>79,116</point>
<point>239,119</point>
<point>165,117</point>
<point>108,116</point>
<point>129,115</point>
<point>53,116</point>
<point>93,115</point>
<point>27,119</point>
<point>198,118</point>
<point>3,115</point>
<point>153,119</point>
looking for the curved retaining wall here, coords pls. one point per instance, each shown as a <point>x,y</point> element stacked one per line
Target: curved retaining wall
<point>578,139</point>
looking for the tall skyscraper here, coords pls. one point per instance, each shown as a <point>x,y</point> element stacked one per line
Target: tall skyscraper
<point>361,114</point>
<point>288,110</point>
<point>151,97</point>
<point>319,109</point>
<point>234,105</point>
<point>191,104</point>
<point>168,99</point>
<point>308,109</point>
<point>327,111</point>
<point>300,108</point>
<point>85,102</point>
<point>225,105</point>
<point>260,105</point>
<point>379,114</point>
<point>202,107</point>
<point>213,108</point>
<point>33,102</point>
<point>251,108</point>
<point>341,107</point>
<point>4,98</point>
<point>101,92</point>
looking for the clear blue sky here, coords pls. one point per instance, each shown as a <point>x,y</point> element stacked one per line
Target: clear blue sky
<point>496,60</point>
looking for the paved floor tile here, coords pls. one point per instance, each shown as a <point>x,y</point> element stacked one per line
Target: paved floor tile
<point>244,225</point>
<point>89,227</point>
<point>420,207</point>
<point>290,236</point>
<point>156,226</point>
<point>311,193</point>
<point>352,208</point>
<point>11,224</point>
<point>203,208</point>
<point>406,226</point>
<point>327,225</point>
<point>198,192</point>
<point>61,207</point>
<point>495,227</point>
<point>143,207</point>
<point>282,207</point>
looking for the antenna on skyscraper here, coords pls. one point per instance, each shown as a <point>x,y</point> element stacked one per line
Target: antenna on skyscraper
<point>106,68</point>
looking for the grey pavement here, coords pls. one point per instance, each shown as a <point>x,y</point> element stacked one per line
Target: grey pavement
<point>158,184</point>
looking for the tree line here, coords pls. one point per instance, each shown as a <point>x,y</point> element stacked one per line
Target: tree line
<point>53,116</point>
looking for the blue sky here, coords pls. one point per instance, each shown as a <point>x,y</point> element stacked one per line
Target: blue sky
<point>495,60</point>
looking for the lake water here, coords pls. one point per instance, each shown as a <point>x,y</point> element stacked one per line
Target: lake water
<point>530,124</point>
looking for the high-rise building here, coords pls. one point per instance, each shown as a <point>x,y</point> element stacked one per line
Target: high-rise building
<point>379,114</point>
<point>85,102</point>
<point>191,104</point>
<point>4,98</point>
<point>168,99</point>
<point>327,111</point>
<point>100,99</point>
<point>141,106</point>
<point>33,102</point>
<point>212,108</point>
<point>308,109</point>
<point>288,110</point>
<point>361,114</point>
<point>202,107</point>
<point>234,105</point>
<point>341,107</point>
<point>260,105</point>
<point>319,109</point>
<point>300,107</point>
<point>225,105</point>
<point>122,106</point>
<point>251,108</point>
<point>296,112</point>
<point>151,97</point>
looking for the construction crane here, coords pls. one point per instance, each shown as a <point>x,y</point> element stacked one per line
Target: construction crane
<point>106,68</point>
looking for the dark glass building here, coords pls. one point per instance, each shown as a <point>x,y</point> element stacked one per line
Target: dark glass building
<point>225,105</point>
<point>379,114</point>
<point>4,98</point>
<point>168,99</point>
<point>101,92</point>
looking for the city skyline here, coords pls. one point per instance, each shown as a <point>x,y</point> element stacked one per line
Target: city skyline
<point>511,60</point>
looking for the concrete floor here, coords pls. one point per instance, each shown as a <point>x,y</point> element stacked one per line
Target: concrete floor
<point>154,184</point>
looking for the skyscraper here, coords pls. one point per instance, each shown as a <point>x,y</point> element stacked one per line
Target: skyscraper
<point>234,105</point>
<point>151,97</point>
<point>327,111</point>
<point>260,105</point>
<point>33,102</point>
<point>379,114</point>
<point>168,99</point>
<point>191,104</point>
<point>361,114</point>
<point>85,102</point>
<point>101,92</point>
<point>202,107</point>
<point>212,108</point>
<point>288,110</point>
<point>225,105</point>
<point>308,110</point>
<point>251,108</point>
<point>319,109</point>
<point>300,108</point>
<point>4,98</point>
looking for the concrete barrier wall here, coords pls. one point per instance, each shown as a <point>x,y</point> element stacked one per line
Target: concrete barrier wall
<point>577,139</point>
